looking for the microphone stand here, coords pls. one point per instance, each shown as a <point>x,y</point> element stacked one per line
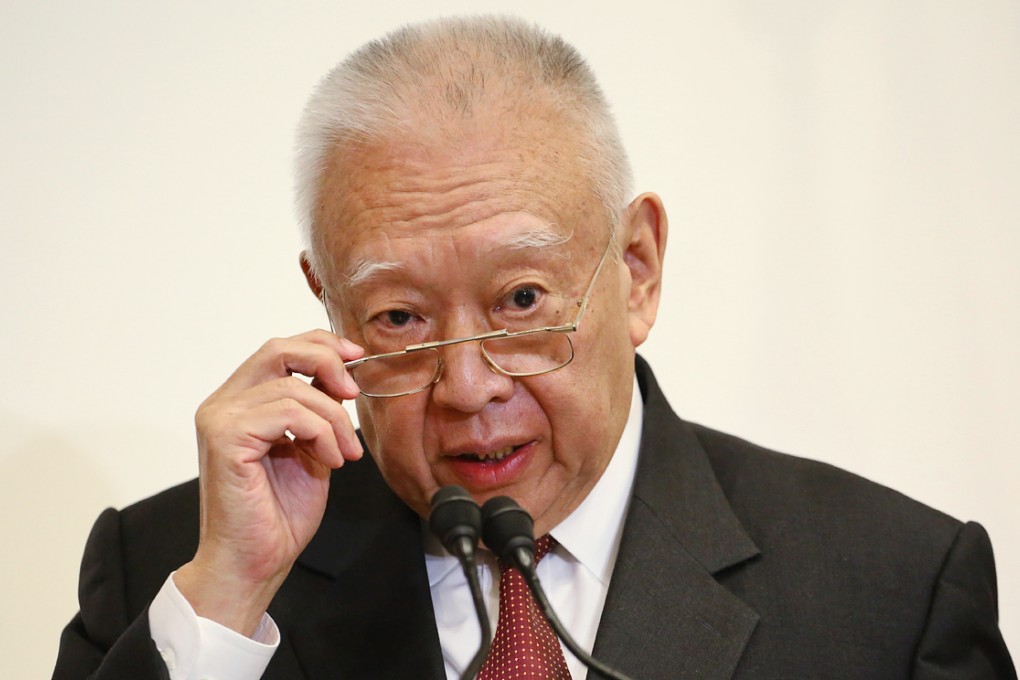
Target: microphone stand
<point>526,565</point>
<point>468,565</point>
<point>456,520</point>
<point>508,530</point>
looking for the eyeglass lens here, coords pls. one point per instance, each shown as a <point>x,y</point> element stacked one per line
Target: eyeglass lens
<point>400,374</point>
<point>520,355</point>
<point>530,353</point>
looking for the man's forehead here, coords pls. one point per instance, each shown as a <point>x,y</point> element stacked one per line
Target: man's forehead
<point>526,165</point>
<point>488,191</point>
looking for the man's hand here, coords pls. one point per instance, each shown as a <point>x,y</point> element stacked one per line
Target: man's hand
<point>263,492</point>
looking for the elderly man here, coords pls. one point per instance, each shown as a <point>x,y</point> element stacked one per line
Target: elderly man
<point>488,279</point>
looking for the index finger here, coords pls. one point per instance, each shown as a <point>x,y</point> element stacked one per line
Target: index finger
<point>317,354</point>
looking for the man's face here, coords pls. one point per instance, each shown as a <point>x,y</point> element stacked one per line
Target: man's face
<point>436,236</point>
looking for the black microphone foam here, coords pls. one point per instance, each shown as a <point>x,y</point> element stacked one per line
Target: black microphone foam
<point>455,516</point>
<point>507,528</point>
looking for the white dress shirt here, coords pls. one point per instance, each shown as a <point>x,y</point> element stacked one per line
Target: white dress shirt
<point>575,575</point>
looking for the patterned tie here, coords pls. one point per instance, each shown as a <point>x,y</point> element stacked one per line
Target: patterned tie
<point>524,646</point>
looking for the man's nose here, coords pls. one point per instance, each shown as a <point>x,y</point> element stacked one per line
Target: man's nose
<point>468,383</point>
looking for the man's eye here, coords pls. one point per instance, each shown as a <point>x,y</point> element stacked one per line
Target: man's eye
<point>397,317</point>
<point>525,298</point>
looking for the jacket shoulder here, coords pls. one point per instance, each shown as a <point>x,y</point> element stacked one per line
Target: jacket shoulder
<point>830,531</point>
<point>175,499</point>
<point>762,485</point>
<point>881,570</point>
<point>157,535</point>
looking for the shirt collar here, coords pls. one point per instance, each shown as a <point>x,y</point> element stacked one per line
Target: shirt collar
<point>599,517</point>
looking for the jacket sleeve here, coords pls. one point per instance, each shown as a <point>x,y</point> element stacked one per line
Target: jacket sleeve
<point>106,641</point>
<point>961,639</point>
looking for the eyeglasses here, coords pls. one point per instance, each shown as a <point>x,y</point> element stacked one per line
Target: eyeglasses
<point>518,354</point>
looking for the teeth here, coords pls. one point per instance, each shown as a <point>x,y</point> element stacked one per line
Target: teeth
<point>494,455</point>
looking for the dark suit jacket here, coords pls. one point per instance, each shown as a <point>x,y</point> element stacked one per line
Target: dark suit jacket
<point>736,562</point>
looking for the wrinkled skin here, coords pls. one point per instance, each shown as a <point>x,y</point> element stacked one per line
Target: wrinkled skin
<point>444,214</point>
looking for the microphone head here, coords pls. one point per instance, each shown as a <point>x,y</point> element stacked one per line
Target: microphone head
<point>507,528</point>
<point>455,516</point>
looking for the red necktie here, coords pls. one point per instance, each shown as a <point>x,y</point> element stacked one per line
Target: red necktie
<point>524,646</point>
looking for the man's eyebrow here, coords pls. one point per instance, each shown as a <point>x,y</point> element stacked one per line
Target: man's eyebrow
<point>363,270</point>
<point>538,237</point>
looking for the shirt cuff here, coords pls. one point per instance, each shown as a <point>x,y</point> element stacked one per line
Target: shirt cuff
<point>194,647</point>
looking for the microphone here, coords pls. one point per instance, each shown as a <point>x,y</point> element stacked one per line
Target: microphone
<point>509,531</point>
<point>456,520</point>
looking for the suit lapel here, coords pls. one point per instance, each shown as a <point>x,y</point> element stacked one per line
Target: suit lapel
<point>665,615</point>
<point>362,585</point>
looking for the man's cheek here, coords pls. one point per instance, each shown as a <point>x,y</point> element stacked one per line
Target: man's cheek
<point>393,426</point>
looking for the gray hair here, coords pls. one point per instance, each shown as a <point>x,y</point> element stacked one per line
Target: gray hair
<point>380,90</point>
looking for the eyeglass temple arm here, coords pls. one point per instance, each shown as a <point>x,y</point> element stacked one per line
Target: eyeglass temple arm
<point>583,301</point>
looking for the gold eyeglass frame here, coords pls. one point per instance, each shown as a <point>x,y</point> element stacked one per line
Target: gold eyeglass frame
<point>434,345</point>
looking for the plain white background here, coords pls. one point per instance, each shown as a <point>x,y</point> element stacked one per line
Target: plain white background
<point>842,278</point>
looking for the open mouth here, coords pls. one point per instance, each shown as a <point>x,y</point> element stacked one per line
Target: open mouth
<point>489,457</point>
<point>481,471</point>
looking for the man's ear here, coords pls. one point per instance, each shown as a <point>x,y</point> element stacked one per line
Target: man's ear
<point>313,281</point>
<point>646,226</point>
